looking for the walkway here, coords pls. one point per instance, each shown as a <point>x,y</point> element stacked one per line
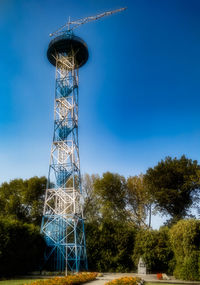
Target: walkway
<point>149,278</point>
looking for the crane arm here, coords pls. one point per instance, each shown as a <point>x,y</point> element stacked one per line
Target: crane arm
<point>93,18</point>
<point>77,23</point>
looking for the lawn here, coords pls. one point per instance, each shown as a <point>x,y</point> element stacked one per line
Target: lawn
<point>17,282</point>
<point>156,283</point>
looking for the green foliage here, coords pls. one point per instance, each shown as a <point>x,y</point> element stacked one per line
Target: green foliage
<point>173,185</point>
<point>18,281</point>
<point>21,247</point>
<point>185,241</point>
<point>154,247</point>
<point>110,191</point>
<point>138,199</point>
<point>23,199</point>
<point>115,208</point>
<point>112,197</point>
<point>110,246</point>
<point>91,206</point>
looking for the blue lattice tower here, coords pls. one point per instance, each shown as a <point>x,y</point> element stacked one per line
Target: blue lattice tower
<point>63,223</point>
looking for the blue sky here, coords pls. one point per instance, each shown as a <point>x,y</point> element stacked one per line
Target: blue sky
<point>139,91</point>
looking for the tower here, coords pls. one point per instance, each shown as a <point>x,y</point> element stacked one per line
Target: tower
<point>63,223</point>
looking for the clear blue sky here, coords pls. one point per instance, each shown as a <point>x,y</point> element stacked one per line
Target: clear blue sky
<point>139,91</point>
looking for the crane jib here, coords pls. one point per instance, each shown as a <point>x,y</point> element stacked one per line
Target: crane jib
<point>71,25</point>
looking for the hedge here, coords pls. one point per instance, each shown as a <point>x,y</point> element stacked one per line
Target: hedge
<point>21,247</point>
<point>154,247</point>
<point>110,246</point>
<point>185,241</point>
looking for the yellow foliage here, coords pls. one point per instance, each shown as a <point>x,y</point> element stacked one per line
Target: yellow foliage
<point>125,281</point>
<point>68,280</point>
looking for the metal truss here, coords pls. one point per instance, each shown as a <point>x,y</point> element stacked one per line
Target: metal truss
<point>62,223</point>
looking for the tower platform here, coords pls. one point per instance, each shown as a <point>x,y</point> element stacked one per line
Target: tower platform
<point>66,45</point>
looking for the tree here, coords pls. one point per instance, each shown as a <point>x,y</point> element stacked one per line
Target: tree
<point>113,197</point>
<point>138,199</point>
<point>91,206</point>
<point>109,233</point>
<point>173,185</point>
<point>110,191</point>
<point>23,199</point>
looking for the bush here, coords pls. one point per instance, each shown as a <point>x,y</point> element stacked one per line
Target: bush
<point>21,247</point>
<point>68,280</point>
<point>185,241</point>
<point>154,247</point>
<point>110,246</point>
<point>125,281</point>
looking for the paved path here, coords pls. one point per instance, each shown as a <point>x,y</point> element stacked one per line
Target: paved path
<point>149,277</point>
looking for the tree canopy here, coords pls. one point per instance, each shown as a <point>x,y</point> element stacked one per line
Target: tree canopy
<point>91,206</point>
<point>23,199</point>
<point>138,199</point>
<point>173,184</point>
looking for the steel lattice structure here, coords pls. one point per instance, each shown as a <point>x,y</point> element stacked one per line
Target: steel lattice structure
<point>63,223</point>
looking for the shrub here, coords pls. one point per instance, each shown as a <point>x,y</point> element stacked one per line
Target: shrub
<point>110,246</point>
<point>185,241</point>
<point>21,247</point>
<point>154,247</point>
<point>68,280</point>
<point>125,281</point>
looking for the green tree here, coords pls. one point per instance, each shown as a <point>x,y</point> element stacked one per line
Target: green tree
<point>23,199</point>
<point>91,206</point>
<point>109,232</point>
<point>113,197</point>
<point>173,185</point>
<point>110,191</point>
<point>138,200</point>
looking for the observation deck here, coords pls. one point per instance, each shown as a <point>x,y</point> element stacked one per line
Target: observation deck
<point>68,45</point>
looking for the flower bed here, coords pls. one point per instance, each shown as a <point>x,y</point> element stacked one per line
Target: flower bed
<point>125,281</point>
<point>68,280</point>
<point>159,276</point>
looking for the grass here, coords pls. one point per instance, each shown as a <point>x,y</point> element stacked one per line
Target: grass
<point>16,281</point>
<point>152,283</point>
